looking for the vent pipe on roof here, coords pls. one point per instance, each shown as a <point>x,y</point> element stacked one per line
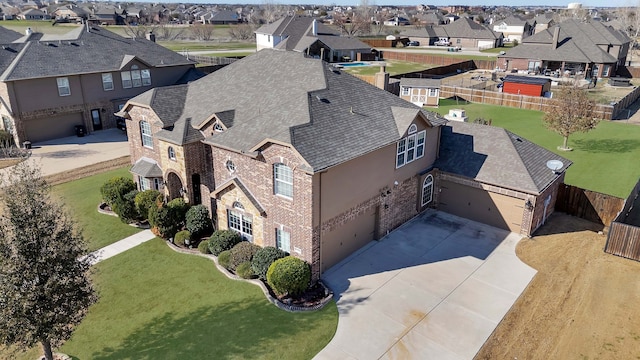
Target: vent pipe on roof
<point>315,27</point>
<point>151,36</point>
<point>28,31</point>
<point>556,37</point>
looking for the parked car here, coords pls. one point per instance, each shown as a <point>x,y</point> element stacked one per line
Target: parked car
<point>442,42</point>
<point>413,43</point>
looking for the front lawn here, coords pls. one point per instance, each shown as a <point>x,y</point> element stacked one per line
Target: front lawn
<point>82,197</point>
<point>159,304</point>
<point>602,158</point>
<point>393,67</point>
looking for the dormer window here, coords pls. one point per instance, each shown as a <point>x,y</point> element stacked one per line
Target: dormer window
<point>217,127</point>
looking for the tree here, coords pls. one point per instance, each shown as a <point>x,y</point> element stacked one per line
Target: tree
<point>202,32</point>
<point>571,111</point>
<point>45,289</point>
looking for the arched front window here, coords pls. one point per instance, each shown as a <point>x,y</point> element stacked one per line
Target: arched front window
<point>283,180</point>
<point>427,190</point>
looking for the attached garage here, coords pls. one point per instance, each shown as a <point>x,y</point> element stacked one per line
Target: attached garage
<point>53,127</point>
<point>344,240</point>
<point>482,206</point>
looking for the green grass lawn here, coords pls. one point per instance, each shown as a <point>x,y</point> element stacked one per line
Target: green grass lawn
<point>603,159</point>
<point>82,197</point>
<point>230,54</point>
<point>206,45</point>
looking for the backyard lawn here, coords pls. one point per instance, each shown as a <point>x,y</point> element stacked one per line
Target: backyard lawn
<point>394,67</point>
<point>602,158</point>
<point>82,197</point>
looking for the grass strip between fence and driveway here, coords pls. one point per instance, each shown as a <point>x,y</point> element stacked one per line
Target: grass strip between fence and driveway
<point>602,158</point>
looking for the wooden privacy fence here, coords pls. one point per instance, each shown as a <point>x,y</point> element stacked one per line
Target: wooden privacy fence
<point>511,100</point>
<point>624,234</point>
<point>586,204</point>
<point>379,42</point>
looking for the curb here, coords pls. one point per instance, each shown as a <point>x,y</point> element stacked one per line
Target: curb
<point>274,301</point>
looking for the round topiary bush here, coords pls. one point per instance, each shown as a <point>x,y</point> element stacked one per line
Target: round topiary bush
<point>244,270</point>
<point>222,240</point>
<point>199,221</point>
<point>241,253</point>
<point>145,200</point>
<point>289,275</point>
<point>163,221</point>
<point>178,208</point>
<point>223,259</point>
<point>181,237</point>
<point>116,188</point>
<point>263,258</point>
<point>203,247</point>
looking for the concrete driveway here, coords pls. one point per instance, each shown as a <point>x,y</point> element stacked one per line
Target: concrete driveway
<point>435,288</point>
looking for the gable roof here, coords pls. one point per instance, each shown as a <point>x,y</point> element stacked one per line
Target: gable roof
<point>467,28</point>
<point>495,156</point>
<point>81,51</point>
<point>147,168</point>
<point>420,82</point>
<point>300,102</point>
<point>577,42</point>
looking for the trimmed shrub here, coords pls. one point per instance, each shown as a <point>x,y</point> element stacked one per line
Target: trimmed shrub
<point>223,258</point>
<point>263,258</point>
<point>242,252</point>
<point>162,219</point>
<point>178,208</point>
<point>199,221</point>
<point>145,200</point>
<point>181,237</point>
<point>125,207</point>
<point>203,247</point>
<point>289,275</point>
<point>223,240</point>
<point>116,188</point>
<point>244,270</point>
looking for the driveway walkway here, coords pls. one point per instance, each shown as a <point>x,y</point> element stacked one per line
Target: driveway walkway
<point>435,288</point>
<point>121,246</point>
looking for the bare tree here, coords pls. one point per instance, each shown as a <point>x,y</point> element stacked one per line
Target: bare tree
<point>45,288</point>
<point>378,26</point>
<point>202,31</point>
<point>241,32</point>
<point>169,32</point>
<point>138,31</point>
<point>570,111</point>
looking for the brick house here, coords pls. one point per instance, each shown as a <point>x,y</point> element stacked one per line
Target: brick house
<point>463,32</point>
<point>304,157</point>
<point>80,78</point>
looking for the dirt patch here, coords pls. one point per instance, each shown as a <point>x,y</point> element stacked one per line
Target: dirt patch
<point>5,163</point>
<point>82,172</point>
<point>582,304</point>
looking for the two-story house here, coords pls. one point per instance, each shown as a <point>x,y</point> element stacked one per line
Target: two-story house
<point>308,35</point>
<point>51,83</point>
<point>514,28</point>
<point>316,162</point>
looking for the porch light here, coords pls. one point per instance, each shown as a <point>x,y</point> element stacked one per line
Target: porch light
<point>528,205</point>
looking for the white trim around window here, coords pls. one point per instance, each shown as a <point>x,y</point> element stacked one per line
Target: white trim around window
<point>410,148</point>
<point>145,134</point>
<point>283,239</point>
<point>107,82</point>
<point>240,223</point>
<point>282,180</point>
<point>63,86</point>
<point>405,91</point>
<point>427,190</point>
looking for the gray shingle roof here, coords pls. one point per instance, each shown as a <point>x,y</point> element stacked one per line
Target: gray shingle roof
<point>180,133</point>
<point>418,82</point>
<point>299,101</point>
<point>496,156</point>
<point>147,168</point>
<point>577,42</point>
<point>8,36</point>
<point>468,29</point>
<point>526,79</point>
<point>81,52</point>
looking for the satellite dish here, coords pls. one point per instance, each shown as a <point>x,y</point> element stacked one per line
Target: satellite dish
<point>555,165</point>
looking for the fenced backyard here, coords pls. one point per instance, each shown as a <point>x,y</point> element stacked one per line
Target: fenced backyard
<point>624,235</point>
<point>589,205</point>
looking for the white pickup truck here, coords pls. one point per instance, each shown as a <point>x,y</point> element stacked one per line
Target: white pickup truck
<point>442,42</point>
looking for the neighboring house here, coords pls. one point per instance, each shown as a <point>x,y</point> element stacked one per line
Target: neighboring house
<point>107,16</point>
<point>544,21</point>
<point>33,14</point>
<point>514,28</point>
<point>224,17</point>
<point>420,92</point>
<point>463,32</point>
<point>70,12</point>
<point>316,162</point>
<point>526,85</point>
<point>572,46</point>
<point>397,21</point>
<point>51,83</point>
<point>308,35</point>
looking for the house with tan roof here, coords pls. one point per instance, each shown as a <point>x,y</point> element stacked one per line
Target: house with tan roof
<point>314,161</point>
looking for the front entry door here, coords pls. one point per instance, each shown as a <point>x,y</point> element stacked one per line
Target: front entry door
<point>95,117</point>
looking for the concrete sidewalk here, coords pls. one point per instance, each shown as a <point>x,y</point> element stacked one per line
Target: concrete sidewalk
<point>122,246</point>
